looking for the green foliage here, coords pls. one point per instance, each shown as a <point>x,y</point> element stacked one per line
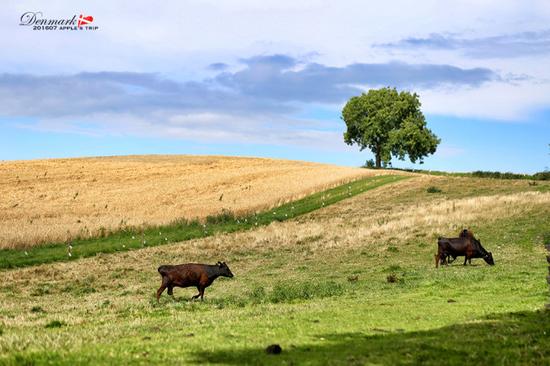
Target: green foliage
<point>37,309</point>
<point>55,324</point>
<point>483,174</point>
<point>542,175</point>
<point>370,164</point>
<point>257,295</point>
<point>224,217</point>
<point>433,189</point>
<point>393,249</point>
<point>508,175</point>
<point>389,123</point>
<point>393,278</point>
<point>497,175</point>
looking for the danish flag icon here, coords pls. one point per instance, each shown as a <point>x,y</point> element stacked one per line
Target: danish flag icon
<point>83,20</point>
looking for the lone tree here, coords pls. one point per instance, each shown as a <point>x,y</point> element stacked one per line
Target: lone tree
<point>388,123</point>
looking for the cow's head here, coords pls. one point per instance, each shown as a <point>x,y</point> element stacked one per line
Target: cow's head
<point>488,257</point>
<point>224,269</point>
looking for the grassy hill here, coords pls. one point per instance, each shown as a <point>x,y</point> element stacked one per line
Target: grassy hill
<point>350,283</point>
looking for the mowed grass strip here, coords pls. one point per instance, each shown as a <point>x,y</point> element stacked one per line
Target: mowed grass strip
<point>181,230</point>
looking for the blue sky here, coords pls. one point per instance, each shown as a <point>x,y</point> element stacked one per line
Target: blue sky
<point>270,79</point>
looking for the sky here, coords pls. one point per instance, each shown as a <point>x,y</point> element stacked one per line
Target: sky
<point>270,78</point>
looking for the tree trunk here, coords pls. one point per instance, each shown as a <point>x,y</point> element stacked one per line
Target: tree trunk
<point>378,159</point>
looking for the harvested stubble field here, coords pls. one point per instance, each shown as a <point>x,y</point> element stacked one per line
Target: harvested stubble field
<point>317,285</point>
<point>43,201</point>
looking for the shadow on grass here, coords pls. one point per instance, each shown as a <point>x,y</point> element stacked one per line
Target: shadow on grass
<point>503,339</point>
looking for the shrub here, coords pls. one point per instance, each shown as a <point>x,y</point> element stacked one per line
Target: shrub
<point>542,175</point>
<point>369,164</point>
<point>257,295</point>
<point>392,278</point>
<point>433,189</point>
<point>55,324</point>
<point>499,175</point>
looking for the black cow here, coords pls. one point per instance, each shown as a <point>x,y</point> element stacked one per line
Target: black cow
<point>465,245</point>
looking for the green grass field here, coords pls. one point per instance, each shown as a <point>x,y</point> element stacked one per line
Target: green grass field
<point>317,285</point>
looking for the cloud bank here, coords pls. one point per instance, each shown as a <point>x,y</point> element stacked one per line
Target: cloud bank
<point>521,44</point>
<point>254,104</point>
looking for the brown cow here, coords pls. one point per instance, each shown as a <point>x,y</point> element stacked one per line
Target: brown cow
<point>465,245</point>
<point>191,274</point>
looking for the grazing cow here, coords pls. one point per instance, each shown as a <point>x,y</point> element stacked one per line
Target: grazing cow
<point>465,245</point>
<point>191,274</point>
<point>450,258</point>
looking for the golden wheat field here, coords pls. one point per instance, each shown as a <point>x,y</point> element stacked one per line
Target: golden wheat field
<point>44,201</point>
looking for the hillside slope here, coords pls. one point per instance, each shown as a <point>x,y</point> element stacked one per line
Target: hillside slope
<point>352,283</point>
<point>43,201</point>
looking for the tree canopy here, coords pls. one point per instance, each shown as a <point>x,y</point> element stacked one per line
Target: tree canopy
<point>389,123</point>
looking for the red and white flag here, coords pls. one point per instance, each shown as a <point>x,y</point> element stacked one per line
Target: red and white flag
<point>83,20</point>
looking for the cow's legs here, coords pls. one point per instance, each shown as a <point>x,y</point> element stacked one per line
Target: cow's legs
<point>201,292</point>
<point>171,290</point>
<point>440,258</point>
<point>162,288</point>
<point>197,295</point>
<point>465,259</point>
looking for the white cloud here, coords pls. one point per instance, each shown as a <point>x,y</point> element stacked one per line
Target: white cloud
<point>199,127</point>
<point>180,39</point>
<point>505,102</point>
